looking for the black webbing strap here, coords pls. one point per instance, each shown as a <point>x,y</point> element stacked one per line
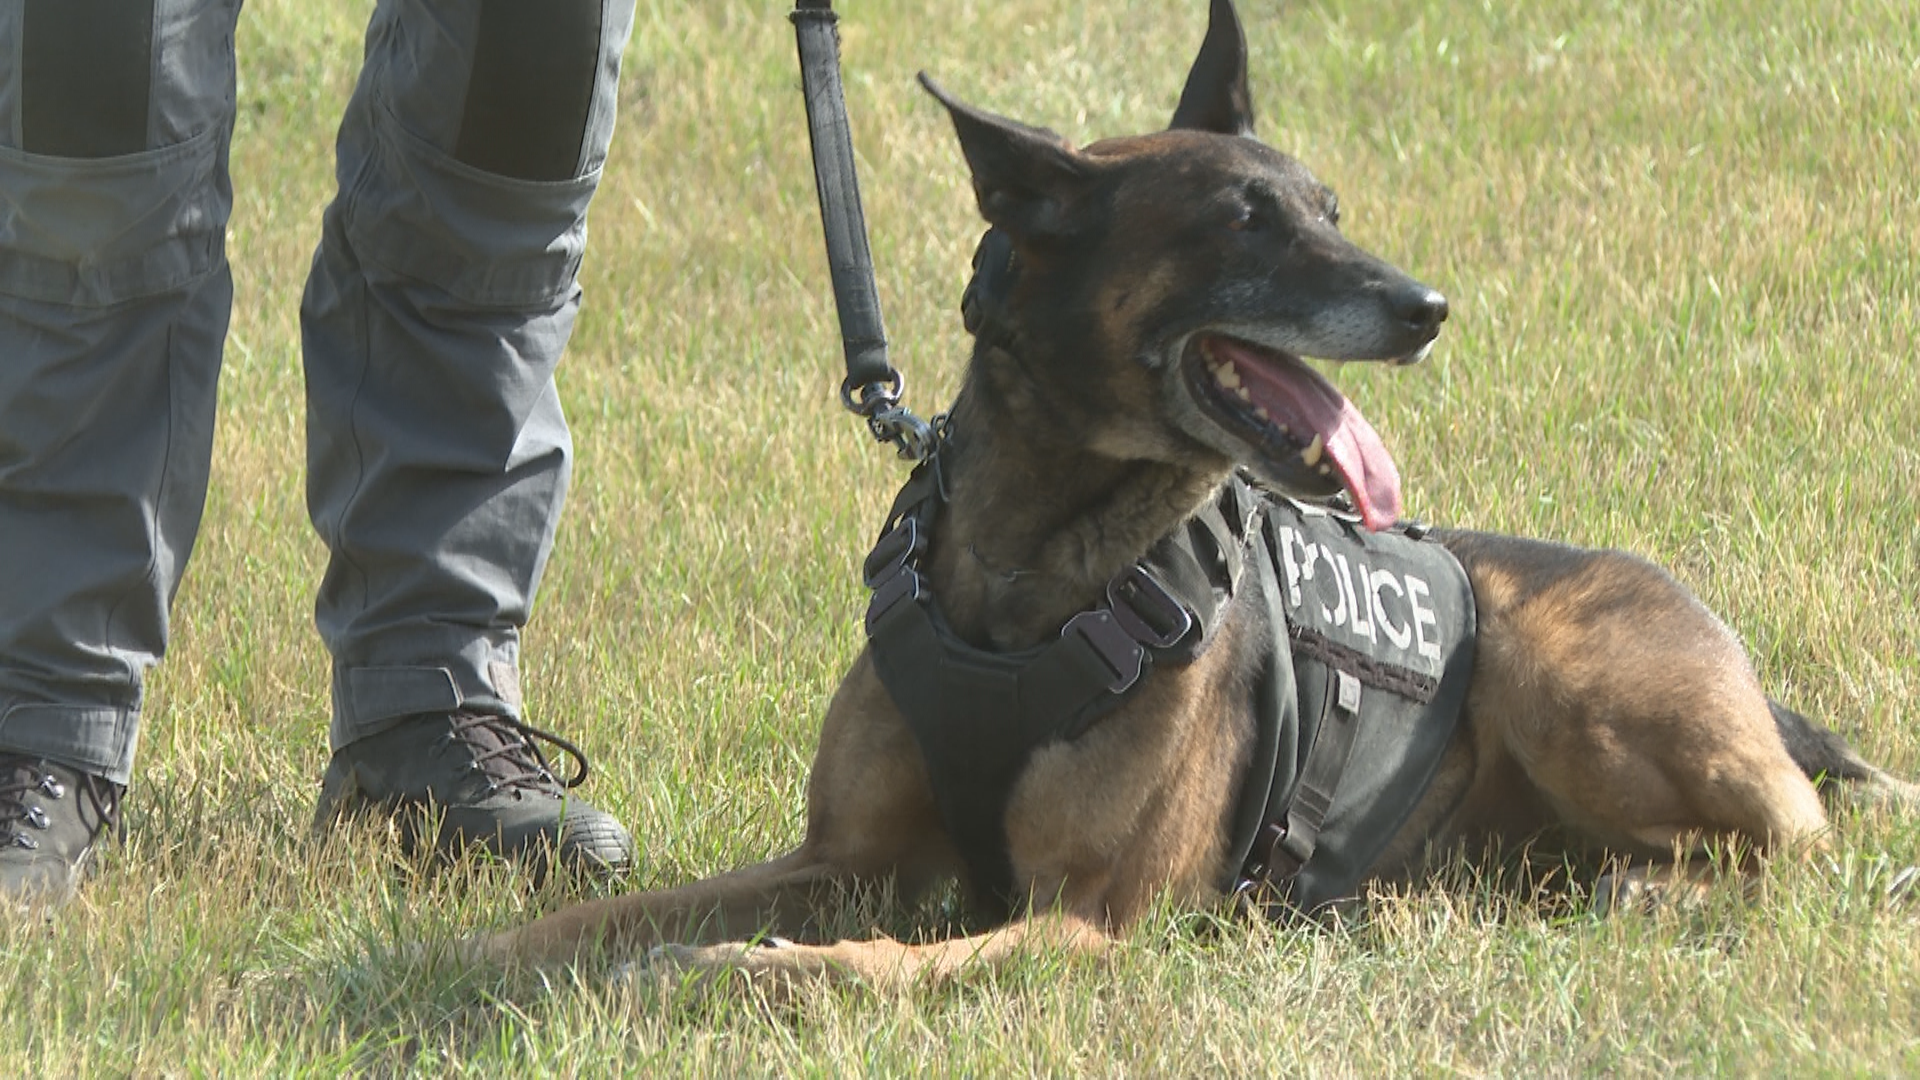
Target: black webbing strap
<point>873,386</point>
<point>848,258</point>
<point>1284,846</point>
<point>1060,687</point>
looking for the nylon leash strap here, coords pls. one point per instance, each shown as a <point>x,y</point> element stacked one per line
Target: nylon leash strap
<point>873,386</point>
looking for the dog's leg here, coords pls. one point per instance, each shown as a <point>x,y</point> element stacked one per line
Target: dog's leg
<point>779,897</point>
<point>882,963</point>
<point>1631,709</point>
<point>870,819</point>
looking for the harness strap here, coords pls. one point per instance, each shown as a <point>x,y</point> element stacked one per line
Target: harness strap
<point>1063,685</point>
<point>983,304</point>
<point>848,256</point>
<point>1285,845</point>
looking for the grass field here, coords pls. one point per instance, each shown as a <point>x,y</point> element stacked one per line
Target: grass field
<point>1679,243</point>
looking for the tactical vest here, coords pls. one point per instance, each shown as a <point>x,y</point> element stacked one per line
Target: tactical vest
<point>1354,700</point>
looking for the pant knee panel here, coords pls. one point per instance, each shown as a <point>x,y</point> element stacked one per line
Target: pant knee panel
<point>531,90</point>
<point>113,149</point>
<point>86,70</point>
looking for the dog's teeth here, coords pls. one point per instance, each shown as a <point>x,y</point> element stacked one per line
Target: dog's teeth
<point>1283,429</point>
<point>1261,412</point>
<point>1326,470</point>
<point>1311,455</point>
<point>1227,377</point>
<point>1245,395</point>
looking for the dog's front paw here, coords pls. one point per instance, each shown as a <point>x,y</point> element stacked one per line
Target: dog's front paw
<point>674,959</point>
<point>760,964</point>
<point>1648,890</point>
<point>729,955</point>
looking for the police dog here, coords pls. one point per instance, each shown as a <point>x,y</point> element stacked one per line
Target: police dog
<point>1161,276</point>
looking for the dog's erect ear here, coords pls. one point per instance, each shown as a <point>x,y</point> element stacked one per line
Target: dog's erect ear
<point>1027,179</point>
<point>1216,97</point>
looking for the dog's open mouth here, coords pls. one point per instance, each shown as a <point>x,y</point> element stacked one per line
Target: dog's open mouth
<point>1295,418</point>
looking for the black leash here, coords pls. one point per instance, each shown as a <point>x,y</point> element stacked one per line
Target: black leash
<point>873,386</point>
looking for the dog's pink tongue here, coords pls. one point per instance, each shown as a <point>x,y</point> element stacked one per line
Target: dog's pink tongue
<point>1366,469</point>
<point>1299,397</point>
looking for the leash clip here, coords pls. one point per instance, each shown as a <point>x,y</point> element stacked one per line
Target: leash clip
<point>878,403</point>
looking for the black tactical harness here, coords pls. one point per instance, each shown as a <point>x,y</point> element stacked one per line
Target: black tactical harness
<point>1352,710</point>
<point>978,715</point>
<point>1372,645</point>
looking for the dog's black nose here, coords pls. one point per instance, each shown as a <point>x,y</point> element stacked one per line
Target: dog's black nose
<point>1423,309</point>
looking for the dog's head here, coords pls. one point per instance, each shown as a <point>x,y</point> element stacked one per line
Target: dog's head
<point>1162,290</point>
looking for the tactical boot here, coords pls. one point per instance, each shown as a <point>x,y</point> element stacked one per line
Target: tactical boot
<point>487,784</point>
<point>52,819</point>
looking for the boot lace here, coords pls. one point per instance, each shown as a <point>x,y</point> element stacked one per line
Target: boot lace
<point>22,777</point>
<point>506,753</point>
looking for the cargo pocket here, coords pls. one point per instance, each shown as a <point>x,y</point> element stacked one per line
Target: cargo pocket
<point>486,240</point>
<point>99,231</point>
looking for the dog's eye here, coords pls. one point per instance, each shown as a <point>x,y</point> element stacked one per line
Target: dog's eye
<point>1250,217</point>
<point>1333,211</point>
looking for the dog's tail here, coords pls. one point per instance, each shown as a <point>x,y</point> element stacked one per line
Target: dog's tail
<point>1834,766</point>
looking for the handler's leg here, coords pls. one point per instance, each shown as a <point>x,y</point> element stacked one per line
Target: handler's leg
<point>441,297</point>
<point>115,117</point>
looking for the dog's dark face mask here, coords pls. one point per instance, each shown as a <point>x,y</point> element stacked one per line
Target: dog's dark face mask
<point>1170,284</point>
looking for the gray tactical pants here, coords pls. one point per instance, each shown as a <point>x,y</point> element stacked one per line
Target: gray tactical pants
<point>440,299</point>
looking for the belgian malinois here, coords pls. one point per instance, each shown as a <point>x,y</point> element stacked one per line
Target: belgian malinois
<point>1147,351</point>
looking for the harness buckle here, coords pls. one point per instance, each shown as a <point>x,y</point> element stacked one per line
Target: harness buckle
<point>1140,615</point>
<point>1146,610</point>
<point>1116,648</point>
<point>1273,859</point>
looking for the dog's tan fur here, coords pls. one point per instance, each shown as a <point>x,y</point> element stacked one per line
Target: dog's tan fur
<point>1605,701</point>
